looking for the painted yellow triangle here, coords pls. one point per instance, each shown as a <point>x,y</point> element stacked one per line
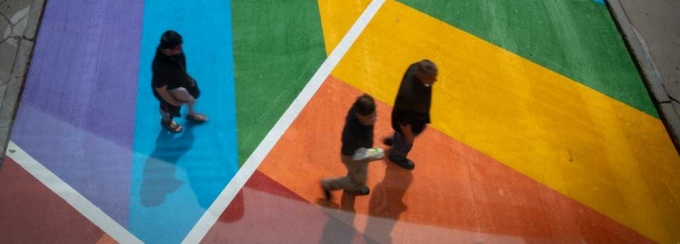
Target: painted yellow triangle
<point>337,17</point>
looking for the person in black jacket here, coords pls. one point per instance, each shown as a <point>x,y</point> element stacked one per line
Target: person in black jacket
<point>411,111</point>
<point>357,149</point>
<point>171,84</point>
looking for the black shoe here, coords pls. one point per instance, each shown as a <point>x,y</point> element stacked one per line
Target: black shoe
<point>362,192</point>
<point>326,193</point>
<point>406,163</point>
<point>388,141</point>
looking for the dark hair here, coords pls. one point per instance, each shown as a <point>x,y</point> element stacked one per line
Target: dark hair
<point>364,105</point>
<point>427,66</point>
<point>170,39</point>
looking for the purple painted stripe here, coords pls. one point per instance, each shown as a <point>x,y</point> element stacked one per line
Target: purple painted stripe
<point>77,113</point>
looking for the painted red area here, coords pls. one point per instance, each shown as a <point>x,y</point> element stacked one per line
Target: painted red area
<point>266,212</point>
<point>31,213</point>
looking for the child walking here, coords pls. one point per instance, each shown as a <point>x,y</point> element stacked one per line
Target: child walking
<point>357,149</point>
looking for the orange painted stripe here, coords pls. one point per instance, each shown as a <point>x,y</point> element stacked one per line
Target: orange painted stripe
<point>106,239</point>
<point>453,186</point>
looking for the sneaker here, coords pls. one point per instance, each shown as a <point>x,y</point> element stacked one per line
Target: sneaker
<point>406,163</point>
<point>368,153</point>
<point>326,192</point>
<point>362,192</point>
<point>388,141</point>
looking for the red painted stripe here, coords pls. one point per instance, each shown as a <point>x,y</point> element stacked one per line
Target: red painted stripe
<point>266,212</point>
<point>31,213</point>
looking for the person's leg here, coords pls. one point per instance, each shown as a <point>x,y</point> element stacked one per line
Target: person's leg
<point>183,94</point>
<point>357,170</point>
<point>333,184</point>
<point>195,93</point>
<point>167,113</point>
<point>353,182</point>
<point>400,150</point>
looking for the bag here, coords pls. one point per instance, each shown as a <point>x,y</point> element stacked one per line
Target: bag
<point>193,89</point>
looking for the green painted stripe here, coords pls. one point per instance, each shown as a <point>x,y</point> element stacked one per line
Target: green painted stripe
<point>278,45</point>
<point>577,39</point>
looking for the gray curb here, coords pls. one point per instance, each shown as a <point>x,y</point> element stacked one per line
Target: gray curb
<point>640,51</point>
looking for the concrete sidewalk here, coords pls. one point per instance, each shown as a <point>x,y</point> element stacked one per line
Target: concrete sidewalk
<point>19,20</point>
<point>651,29</point>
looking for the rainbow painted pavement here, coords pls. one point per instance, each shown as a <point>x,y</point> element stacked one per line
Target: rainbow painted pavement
<point>542,130</point>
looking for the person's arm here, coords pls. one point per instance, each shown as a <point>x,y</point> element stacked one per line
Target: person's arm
<point>167,96</point>
<point>408,132</point>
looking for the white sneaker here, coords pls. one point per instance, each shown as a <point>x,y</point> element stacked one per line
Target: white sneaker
<point>368,153</point>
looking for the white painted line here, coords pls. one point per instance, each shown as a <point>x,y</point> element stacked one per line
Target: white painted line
<point>227,195</point>
<point>70,195</point>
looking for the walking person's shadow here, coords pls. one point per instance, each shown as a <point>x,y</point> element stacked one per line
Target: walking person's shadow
<point>386,204</point>
<point>158,179</point>
<point>385,207</point>
<point>340,225</point>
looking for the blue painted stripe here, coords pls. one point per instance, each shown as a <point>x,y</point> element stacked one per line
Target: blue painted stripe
<point>175,178</point>
<point>599,1</point>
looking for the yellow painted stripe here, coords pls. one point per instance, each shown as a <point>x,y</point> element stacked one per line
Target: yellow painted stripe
<point>608,156</point>
<point>337,17</point>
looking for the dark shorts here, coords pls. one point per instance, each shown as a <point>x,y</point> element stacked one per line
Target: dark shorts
<point>170,109</point>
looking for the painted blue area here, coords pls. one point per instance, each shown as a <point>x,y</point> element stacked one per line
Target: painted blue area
<point>599,1</point>
<point>77,110</point>
<point>176,177</point>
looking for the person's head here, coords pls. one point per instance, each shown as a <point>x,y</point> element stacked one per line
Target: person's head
<point>427,72</point>
<point>171,43</point>
<point>364,109</point>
